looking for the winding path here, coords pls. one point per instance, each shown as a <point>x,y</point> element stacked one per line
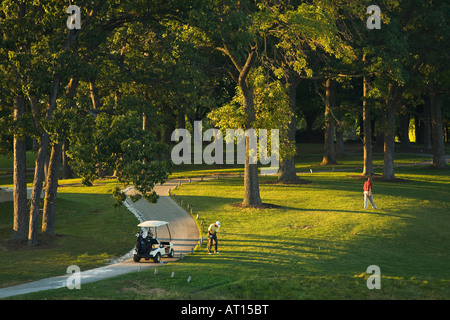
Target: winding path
<point>183,230</point>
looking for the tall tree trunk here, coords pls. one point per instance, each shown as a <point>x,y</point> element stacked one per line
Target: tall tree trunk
<point>48,217</point>
<point>446,132</point>
<point>251,179</point>
<point>66,169</point>
<point>52,177</point>
<point>427,123</point>
<point>19,172</point>
<point>340,145</point>
<point>20,226</point>
<point>439,161</point>
<point>329,156</point>
<point>404,127</point>
<point>145,122</point>
<point>418,124</point>
<point>70,94</point>
<point>389,132</point>
<point>47,160</point>
<point>37,189</point>
<point>39,166</point>
<point>287,170</point>
<point>367,129</point>
<point>96,104</point>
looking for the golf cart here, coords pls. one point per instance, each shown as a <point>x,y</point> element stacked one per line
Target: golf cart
<point>147,244</point>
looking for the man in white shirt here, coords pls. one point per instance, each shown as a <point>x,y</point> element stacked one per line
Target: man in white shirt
<point>212,236</point>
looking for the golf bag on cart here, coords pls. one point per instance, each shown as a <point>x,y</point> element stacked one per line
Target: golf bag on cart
<point>144,245</point>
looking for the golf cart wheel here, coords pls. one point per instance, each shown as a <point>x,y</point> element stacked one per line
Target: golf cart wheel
<point>171,253</point>
<point>136,258</point>
<point>157,258</point>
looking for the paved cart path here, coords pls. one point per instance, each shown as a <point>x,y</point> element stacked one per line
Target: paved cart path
<point>183,230</point>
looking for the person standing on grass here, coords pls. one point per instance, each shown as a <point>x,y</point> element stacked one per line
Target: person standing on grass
<point>368,193</point>
<point>212,236</point>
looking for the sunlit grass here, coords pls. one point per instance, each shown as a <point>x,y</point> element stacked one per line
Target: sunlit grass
<point>305,162</point>
<point>318,245</point>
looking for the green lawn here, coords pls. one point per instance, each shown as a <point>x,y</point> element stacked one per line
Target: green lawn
<point>318,245</point>
<point>6,161</point>
<point>90,231</point>
<point>309,157</point>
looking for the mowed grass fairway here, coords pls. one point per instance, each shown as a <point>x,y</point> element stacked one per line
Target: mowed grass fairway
<point>321,241</point>
<point>318,245</point>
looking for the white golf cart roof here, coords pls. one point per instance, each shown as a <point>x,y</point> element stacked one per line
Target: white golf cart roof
<point>152,223</point>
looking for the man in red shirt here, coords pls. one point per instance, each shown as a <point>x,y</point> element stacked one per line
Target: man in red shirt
<point>368,193</point>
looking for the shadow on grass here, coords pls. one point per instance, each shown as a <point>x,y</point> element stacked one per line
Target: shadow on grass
<point>368,211</point>
<point>208,202</point>
<point>258,256</point>
<point>405,188</point>
<point>398,238</point>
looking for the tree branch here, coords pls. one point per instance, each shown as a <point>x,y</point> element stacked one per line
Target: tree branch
<point>327,105</point>
<point>248,64</point>
<point>227,52</point>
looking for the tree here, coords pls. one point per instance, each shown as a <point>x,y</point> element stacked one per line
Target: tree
<point>390,65</point>
<point>241,50</point>
<point>374,56</point>
<point>13,48</point>
<point>288,34</point>
<point>414,27</point>
<point>251,180</point>
<point>20,181</point>
<point>428,33</point>
<point>43,56</point>
<point>392,103</point>
<point>49,210</point>
<point>305,41</point>
<point>137,61</point>
<point>367,140</point>
<point>439,161</point>
<point>58,76</point>
<point>329,156</point>
<point>287,170</point>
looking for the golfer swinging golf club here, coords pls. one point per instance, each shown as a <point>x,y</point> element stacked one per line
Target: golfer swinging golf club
<point>212,236</point>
